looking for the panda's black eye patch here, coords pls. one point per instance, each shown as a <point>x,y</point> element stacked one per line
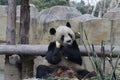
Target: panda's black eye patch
<point>62,38</point>
<point>70,35</point>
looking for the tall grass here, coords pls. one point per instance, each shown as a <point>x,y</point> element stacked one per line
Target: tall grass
<point>98,63</point>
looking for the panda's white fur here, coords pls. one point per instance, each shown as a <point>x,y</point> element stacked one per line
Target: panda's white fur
<point>64,30</point>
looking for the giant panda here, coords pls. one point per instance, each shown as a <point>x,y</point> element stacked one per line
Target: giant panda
<point>63,52</point>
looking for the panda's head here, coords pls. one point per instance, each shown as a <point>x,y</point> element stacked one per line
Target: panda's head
<point>63,34</point>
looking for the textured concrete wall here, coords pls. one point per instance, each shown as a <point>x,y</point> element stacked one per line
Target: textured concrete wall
<point>3,24</point>
<point>116,32</point>
<point>96,31</point>
<point>2,61</point>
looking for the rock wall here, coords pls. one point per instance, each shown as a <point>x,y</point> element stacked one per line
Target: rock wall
<point>96,31</point>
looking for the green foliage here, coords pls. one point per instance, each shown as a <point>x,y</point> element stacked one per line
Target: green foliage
<point>99,64</point>
<point>5,2</point>
<point>43,4</point>
<point>40,4</point>
<point>82,7</point>
<point>106,6</point>
<point>18,2</point>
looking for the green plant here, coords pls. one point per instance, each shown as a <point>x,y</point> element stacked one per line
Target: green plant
<point>98,63</point>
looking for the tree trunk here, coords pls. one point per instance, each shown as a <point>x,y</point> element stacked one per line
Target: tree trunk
<point>118,3</point>
<point>24,22</point>
<point>89,7</point>
<point>11,22</point>
<point>11,71</point>
<point>113,4</point>
<point>68,2</point>
<point>93,11</point>
<point>101,8</point>
<point>27,61</point>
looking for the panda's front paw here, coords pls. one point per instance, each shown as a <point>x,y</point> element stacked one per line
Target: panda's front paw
<point>57,44</point>
<point>67,46</point>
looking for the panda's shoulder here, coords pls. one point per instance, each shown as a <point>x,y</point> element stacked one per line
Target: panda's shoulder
<point>52,45</point>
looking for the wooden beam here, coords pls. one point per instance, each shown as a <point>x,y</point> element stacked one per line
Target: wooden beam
<point>23,49</point>
<point>97,49</point>
<point>41,49</point>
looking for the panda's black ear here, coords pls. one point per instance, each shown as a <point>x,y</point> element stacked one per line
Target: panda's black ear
<point>52,31</point>
<point>68,24</point>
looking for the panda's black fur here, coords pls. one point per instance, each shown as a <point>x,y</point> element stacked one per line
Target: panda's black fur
<point>72,52</point>
<point>54,55</point>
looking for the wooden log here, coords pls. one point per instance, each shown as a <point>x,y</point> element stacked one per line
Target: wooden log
<point>11,71</point>
<point>26,63</point>
<point>23,49</point>
<point>97,49</point>
<point>41,49</point>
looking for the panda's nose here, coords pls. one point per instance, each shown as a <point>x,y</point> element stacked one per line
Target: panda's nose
<point>69,41</point>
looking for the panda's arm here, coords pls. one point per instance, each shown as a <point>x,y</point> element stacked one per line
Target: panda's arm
<point>53,55</point>
<point>72,53</point>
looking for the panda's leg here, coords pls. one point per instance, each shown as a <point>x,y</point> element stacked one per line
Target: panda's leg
<point>43,71</point>
<point>85,73</point>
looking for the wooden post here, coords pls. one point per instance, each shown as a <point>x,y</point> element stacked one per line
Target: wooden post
<point>24,22</point>
<point>11,71</point>
<point>27,60</point>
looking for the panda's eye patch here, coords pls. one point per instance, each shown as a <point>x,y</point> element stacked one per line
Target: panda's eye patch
<point>70,35</point>
<point>62,38</point>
